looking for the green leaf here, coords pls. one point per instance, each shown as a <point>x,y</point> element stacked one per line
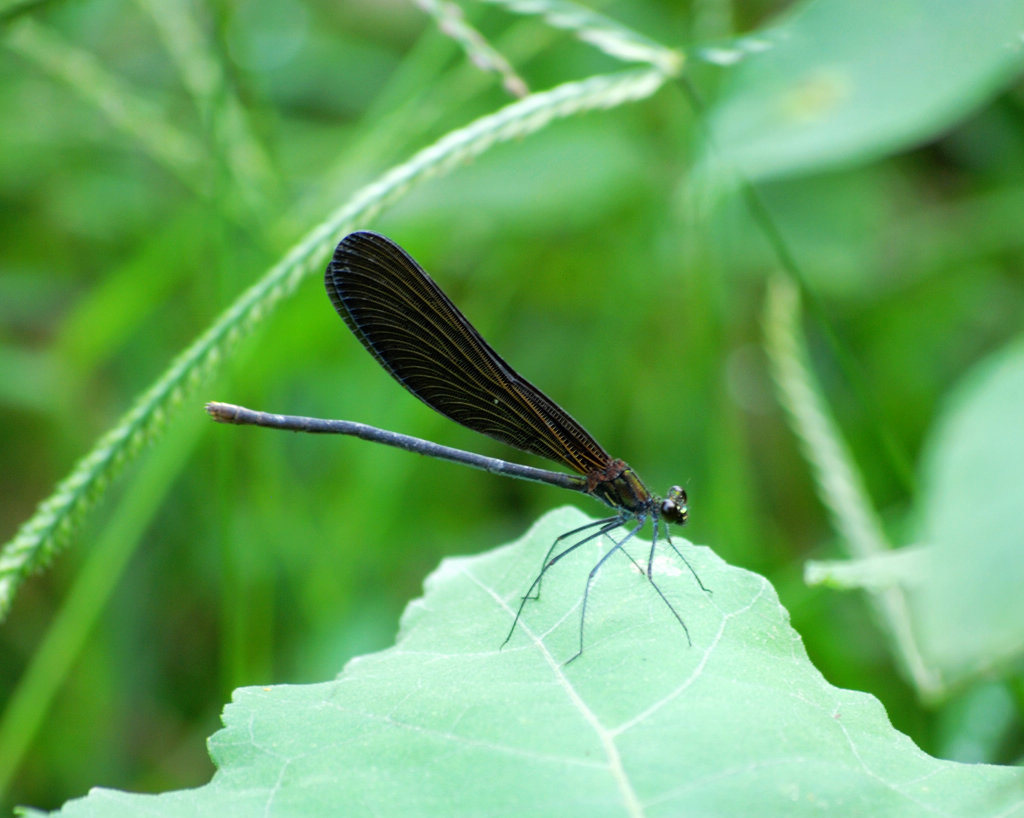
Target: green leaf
<point>840,82</point>
<point>446,723</point>
<point>970,609</point>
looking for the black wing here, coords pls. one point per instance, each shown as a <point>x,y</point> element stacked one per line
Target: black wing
<point>418,335</point>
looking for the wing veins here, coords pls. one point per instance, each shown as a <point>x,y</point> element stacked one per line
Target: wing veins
<point>419,336</point>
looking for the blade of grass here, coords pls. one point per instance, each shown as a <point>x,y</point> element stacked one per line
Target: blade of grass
<point>10,9</point>
<point>401,115</point>
<point>53,658</point>
<point>604,33</point>
<point>836,478</point>
<point>452,23</point>
<point>180,153</point>
<point>222,113</point>
<point>761,214</point>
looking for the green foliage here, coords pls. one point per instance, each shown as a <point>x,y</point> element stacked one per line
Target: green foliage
<point>959,588</point>
<point>970,609</point>
<point>179,170</point>
<point>445,723</point>
<point>838,83</point>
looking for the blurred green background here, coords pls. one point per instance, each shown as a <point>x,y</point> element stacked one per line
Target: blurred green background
<point>587,254</point>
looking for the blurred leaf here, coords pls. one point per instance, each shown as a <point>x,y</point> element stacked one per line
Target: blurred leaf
<point>975,725</point>
<point>839,82</point>
<point>970,611</point>
<point>30,379</point>
<point>445,723</point>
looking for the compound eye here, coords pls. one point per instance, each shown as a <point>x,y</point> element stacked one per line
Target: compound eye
<point>673,510</point>
<point>678,494</point>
